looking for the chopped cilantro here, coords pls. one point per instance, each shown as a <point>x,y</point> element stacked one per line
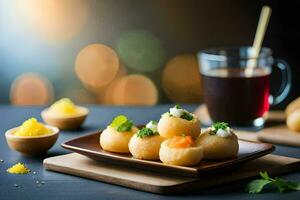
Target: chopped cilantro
<point>218,125</point>
<point>125,126</point>
<point>178,110</point>
<point>187,116</point>
<point>146,132</point>
<point>178,106</point>
<point>121,123</point>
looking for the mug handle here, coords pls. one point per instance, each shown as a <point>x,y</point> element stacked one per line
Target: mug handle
<point>286,82</point>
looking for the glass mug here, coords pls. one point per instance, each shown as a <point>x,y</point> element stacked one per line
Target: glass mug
<point>236,85</point>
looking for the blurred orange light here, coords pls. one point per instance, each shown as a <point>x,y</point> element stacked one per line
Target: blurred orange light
<point>96,65</point>
<point>54,20</point>
<point>31,89</point>
<point>134,90</point>
<point>106,97</point>
<point>100,91</point>
<point>181,79</point>
<point>105,94</point>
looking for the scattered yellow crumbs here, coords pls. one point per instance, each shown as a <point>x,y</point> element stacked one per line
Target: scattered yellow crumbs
<point>32,127</point>
<point>63,106</point>
<point>18,168</point>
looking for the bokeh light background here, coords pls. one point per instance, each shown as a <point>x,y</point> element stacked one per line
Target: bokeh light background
<point>113,52</point>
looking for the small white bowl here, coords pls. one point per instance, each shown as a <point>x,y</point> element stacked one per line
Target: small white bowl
<point>31,145</point>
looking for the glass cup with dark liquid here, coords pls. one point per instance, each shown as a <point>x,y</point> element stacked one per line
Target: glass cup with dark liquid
<point>236,85</point>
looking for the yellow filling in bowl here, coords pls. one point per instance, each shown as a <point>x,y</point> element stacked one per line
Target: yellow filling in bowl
<point>32,127</point>
<point>64,107</point>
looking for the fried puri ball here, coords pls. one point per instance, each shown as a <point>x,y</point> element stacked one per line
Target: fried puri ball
<point>217,147</point>
<point>114,141</point>
<point>293,106</point>
<point>169,126</point>
<point>293,121</point>
<point>180,151</point>
<point>146,148</point>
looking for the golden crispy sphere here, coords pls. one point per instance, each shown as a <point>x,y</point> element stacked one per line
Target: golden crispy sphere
<point>216,147</point>
<point>146,148</point>
<point>169,126</point>
<point>293,106</point>
<point>293,121</point>
<point>114,141</point>
<point>180,156</point>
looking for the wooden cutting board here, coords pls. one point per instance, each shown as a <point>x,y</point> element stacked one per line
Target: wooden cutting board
<point>279,135</point>
<point>272,118</point>
<point>82,166</point>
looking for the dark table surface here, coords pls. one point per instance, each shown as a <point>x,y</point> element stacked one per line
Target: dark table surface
<point>61,186</point>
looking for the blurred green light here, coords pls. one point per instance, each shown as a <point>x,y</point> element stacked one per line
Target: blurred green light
<point>141,50</point>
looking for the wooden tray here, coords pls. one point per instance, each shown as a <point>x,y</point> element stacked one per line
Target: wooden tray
<point>88,145</point>
<point>162,183</point>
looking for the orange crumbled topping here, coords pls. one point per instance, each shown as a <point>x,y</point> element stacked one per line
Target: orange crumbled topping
<point>181,142</point>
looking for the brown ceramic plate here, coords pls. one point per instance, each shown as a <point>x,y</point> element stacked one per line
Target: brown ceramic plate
<point>89,146</point>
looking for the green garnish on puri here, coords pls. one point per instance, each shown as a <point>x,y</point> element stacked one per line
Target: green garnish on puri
<point>266,181</point>
<point>218,125</point>
<point>146,132</point>
<point>178,106</point>
<point>117,121</point>
<point>121,123</point>
<point>125,126</point>
<point>187,116</point>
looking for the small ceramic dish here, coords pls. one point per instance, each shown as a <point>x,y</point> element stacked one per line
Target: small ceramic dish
<point>65,122</point>
<point>31,145</point>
